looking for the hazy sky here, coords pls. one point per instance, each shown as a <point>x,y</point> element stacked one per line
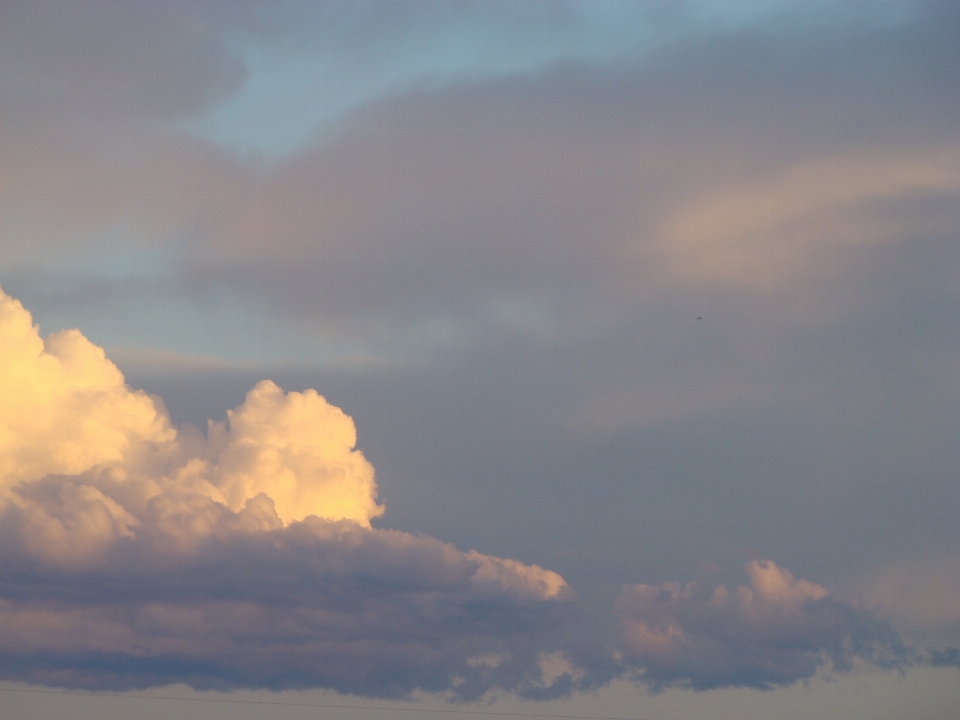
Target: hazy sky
<point>591,359</point>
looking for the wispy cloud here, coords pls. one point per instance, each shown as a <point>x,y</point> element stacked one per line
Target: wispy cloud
<point>812,219</point>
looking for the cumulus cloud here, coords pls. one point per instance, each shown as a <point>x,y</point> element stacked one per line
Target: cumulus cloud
<point>298,449</point>
<point>67,411</point>
<point>775,632</point>
<point>133,553</point>
<point>64,407</point>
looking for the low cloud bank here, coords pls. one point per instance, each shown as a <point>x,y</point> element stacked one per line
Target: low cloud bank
<point>136,554</point>
<point>314,604</point>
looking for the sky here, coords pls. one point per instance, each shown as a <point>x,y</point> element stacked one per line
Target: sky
<point>385,360</point>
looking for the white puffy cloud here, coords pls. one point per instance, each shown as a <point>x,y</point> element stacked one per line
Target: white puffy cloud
<point>298,449</point>
<point>64,407</point>
<point>66,412</point>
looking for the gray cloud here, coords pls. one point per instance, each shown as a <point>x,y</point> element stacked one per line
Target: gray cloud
<point>110,60</point>
<point>371,612</point>
<point>775,632</point>
<point>572,193</point>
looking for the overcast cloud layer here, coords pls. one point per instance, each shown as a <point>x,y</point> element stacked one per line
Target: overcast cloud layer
<point>643,295</point>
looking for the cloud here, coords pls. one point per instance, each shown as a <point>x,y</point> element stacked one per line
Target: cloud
<point>775,632</point>
<point>89,59</point>
<point>134,554</point>
<point>315,604</point>
<point>582,195</point>
<point>921,594</point>
<point>67,411</point>
<point>64,407</point>
<point>585,183</point>
<point>809,218</point>
<point>298,449</point>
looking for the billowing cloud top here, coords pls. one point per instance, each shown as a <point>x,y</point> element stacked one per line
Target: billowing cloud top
<point>65,408</point>
<point>67,411</point>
